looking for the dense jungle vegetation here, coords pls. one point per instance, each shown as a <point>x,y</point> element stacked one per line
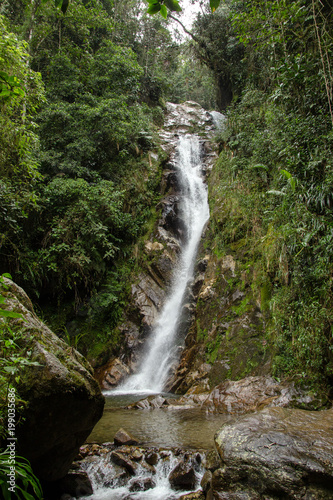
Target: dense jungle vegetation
<point>82,94</point>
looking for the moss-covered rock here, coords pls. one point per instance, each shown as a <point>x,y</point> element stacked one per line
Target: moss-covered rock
<point>63,400</point>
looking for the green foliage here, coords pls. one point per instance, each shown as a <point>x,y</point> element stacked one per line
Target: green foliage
<point>271,201</point>
<point>192,82</point>
<point>114,71</point>
<point>216,45</point>
<point>94,135</point>
<point>18,141</point>
<point>86,226</point>
<point>27,486</point>
<point>163,6</point>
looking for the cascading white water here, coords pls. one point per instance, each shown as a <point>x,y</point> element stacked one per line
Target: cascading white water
<point>120,486</point>
<point>160,354</point>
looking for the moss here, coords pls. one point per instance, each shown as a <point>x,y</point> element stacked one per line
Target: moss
<point>265,295</point>
<point>243,307</point>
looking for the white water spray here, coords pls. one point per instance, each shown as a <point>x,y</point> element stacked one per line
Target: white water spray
<point>162,348</point>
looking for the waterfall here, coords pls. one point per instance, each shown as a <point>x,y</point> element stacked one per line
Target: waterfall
<point>161,349</point>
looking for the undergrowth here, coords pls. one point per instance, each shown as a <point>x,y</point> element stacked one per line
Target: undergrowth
<point>269,201</point>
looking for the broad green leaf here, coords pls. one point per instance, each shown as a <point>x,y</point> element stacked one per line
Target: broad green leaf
<point>57,3</point>
<point>19,91</point>
<point>9,314</point>
<point>154,8</point>
<point>287,174</point>
<point>173,5</point>
<point>25,494</point>
<point>290,178</point>
<point>164,11</point>
<point>10,369</point>
<point>214,4</point>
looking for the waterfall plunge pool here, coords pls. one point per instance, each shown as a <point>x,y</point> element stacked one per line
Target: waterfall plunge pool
<point>167,429</point>
<point>163,427</point>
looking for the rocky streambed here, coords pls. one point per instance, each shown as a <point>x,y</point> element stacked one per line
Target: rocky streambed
<point>117,471</point>
<point>241,441</point>
<point>275,453</point>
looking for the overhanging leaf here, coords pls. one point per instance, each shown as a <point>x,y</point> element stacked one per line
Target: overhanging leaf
<point>214,4</point>
<point>173,5</point>
<point>154,8</point>
<point>10,369</point>
<point>164,11</point>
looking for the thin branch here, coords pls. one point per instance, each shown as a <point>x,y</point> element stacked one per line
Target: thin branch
<point>184,28</point>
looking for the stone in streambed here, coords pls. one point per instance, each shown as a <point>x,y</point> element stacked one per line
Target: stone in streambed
<point>137,455</point>
<point>142,484</point>
<point>206,481</point>
<point>76,484</point>
<point>196,495</point>
<point>123,461</point>
<point>182,477</point>
<point>123,438</point>
<point>151,458</point>
<point>148,403</point>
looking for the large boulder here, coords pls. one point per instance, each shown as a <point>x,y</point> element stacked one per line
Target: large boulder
<point>63,400</point>
<point>277,453</point>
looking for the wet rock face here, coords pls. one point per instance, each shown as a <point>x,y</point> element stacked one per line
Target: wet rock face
<point>64,400</point>
<point>243,396</point>
<point>237,397</point>
<point>228,328</point>
<point>111,374</point>
<point>280,452</point>
<point>148,298</point>
<point>188,117</point>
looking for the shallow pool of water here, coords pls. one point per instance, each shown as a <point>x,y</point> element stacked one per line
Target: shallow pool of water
<point>189,428</point>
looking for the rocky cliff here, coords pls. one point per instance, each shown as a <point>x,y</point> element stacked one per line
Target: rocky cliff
<point>161,250</point>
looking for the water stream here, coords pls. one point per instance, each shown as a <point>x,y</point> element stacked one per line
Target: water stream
<point>161,351</point>
<point>163,427</point>
<point>159,427</point>
<point>164,430</point>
